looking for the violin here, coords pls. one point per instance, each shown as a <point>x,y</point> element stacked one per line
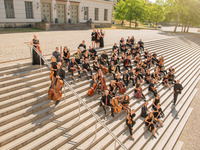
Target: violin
<point>122,89</point>
<point>116,107</point>
<point>104,69</point>
<point>92,90</point>
<point>54,92</point>
<point>129,119</point>
<point>38,48</point>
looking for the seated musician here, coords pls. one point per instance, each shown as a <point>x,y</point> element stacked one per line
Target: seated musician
<point>150,123</point>
<point>115,47</point>
<point>104,59</point>
<point>114,54</point>
<point>144,65</point>
<point>129,54</point>
<point>73,66</point>
<point>53,66</point>
<point>128,42</point>
<point>121,41</point>
<point>116,64</point>
<point>106,101</point>
<point>171,77</point>
<point>127,63</point>
<point>141,44</point>
<point>123,48</point>
<point>112,88</point>
<point>78,56</point>
<point>137,58</point>
<point>144,110</point>
<point>112,69</point>
<point>122,57</point>
<point>82,47</point>
<point>66,55</point>
<point>86,68</point>
<point>154,58</point>
<point>138,73</point>
<point>137,49</point>
<point>152,88</point>
<point>156,101</point>
<point>171,69</point>
<point>146,53</point>
<point>138,88</point>
<point>126,78</point>
<point>149,60</point>
<point>125,103</point>
<point>133,51</point>
<point>92,52</point>
<point>155,75</point>
<point>132,76</point>
<point>86,55</point>
<point>165,81</point>
<point>59,74</point>
<point>157,112</point>
<point>148,77</point>
<point>130,122</point>
<point>56,54</point>
<point>94,80</point>
<point>96,64</point>
<point>132,40</point>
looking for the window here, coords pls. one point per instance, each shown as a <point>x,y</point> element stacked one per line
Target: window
<point>9,8</point>
<point>29,9</point>
<point>86,13</point>
<point>96,15</point>
<point>105,14</point>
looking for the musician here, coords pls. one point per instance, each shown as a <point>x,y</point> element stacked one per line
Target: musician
<point>121,41</point>
<point>115,47</point>
<point>148,77</point>
<point>130,122</point>
<point>92,52</point>
<point>152,88</point>
<point>146,53</point>
<point>116,64</point>
<point>165,81</point>
<point>149,60</point>
<point>132,76</point>
<point>154,58</point>
<point>97,38</point>
<point>156,101</point>
<point>86,55</point>
<point>144,65</point>
<point>123,47</point>
<point>112,88</point>
<point>86,67</point>
<point>171,77</point>
<point>53,67</point>
<point>56,54</point>
<point>149,122</point>
<point>106,101</point>
<point>73,66</point>
<point>141,44</point>
<point>138,73</point>
<point>171,69</point>
<point>114,54</point>
<point>112,69</point>
<point>117,78</point>
<point>78,56</point>
<point>144,110</point>
<point>35,57</point>
<point>104,59</point>
<point>96,64</point>
<point>132,40</point>
<point>82,47</point>
<point>137,58</point>
<point>122,57</point>
<point>157,111</point>
<point>126,78</point>
<point>102,34</point>
<point>177,90</point>
<point>133,51</point>
<point>127,63</point>
<point>66,55</point>
<point>155,75</point>
<point>93,39</point>
<point>94,80</point>
<point>128,42</point>
<point>125,103</point>
<point>138,88</point>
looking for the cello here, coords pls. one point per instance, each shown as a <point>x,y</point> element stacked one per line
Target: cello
<point>122,89</point>
<point>92,90</point>
<point>104,69</point>
<point>54,92</point>
<point>103,83</point>
<point>116,106</point>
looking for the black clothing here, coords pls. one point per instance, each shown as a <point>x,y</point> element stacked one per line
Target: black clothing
<point>83,46</point>
<point>93,36</point>
<point>132,41</point>
<point>144,112</point>
<point>115,47</point>
<point>95,67</point>
<point>57,55</point>
<point>112,91</point>
<point>61,74</point>
<point>156,112</point>
<point>74,65</point>
<point>106,100</point>
<point>104,57</point>
<point>126,79</point>
<point>150,126</point>
<point>132,78</point>
<point>155,103</point>
<point>176,92</point>
<point>132,124</point>
<point>141,44</point>
<point>87,67</point>
<point>54,65</point>
<point>97,37</point>
<point>127,64</point>
<point>93,52</point>
<point>101,41</point>
<point>65,55</point>
<point>35,57</point>
<point>151,86</point>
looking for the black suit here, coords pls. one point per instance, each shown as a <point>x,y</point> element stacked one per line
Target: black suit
<point>177,90</point>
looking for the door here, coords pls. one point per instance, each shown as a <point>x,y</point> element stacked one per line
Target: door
<point>61,13</point>
<point>46,12</point>
<point>74,14</point>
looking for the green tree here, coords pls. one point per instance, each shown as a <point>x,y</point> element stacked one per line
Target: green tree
<point>120,11</point>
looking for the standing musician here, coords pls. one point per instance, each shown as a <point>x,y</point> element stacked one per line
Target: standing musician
<point>132,76</point>
<point>141,44</point>
<point>96,64</point>
<point>82,47</point>
<point>97,37</point>
<point>130,123</point>
<point>35,57</point>
<point>106,101</point>
<point>86,68</point>
<point>56,54</point>
<point>78,56</point>
<point>125,103</point>
<point>66,55</point>
<point>112,88</point>
<point>104,59</point>
<point>92,52</point>
<point>177,90</point>
<point>73,66</point>
<point>127,63</point>
<point>116,64</point>
<point>126,78</point>
<point>102,34</point>
<point>93,39</point>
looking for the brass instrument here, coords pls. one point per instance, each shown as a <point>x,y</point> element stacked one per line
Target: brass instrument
<point>77,55</point>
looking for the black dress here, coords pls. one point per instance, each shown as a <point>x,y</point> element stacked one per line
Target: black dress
<point>93,36</point>
<point>35,56</point>
<point>101,41</point>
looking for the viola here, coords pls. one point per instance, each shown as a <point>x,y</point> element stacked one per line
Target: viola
<point>116,107</point>
<point>122,89</point>
<point>104,69</point>
<point>92,90</point>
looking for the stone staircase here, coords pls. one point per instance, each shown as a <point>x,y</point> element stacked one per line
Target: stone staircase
<point>30,121</point>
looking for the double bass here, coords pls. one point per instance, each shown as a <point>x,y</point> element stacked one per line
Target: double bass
<point>104,69</point>
<point>116,107</point>
<point>54,92</point>
<point>122,89</point>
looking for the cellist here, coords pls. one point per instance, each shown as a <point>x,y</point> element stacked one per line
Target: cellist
<point>112,88</point>
<point>106,101</point>
<point>53,67</point>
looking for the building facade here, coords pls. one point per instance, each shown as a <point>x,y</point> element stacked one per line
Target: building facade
<point>56,11</point>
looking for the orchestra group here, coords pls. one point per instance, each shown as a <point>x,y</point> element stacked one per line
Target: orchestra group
<point>129,66</point>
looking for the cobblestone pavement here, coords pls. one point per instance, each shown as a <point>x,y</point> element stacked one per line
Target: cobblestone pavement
<point>12,46</point>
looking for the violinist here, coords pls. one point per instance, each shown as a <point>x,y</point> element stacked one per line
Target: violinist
<point>127,63</point>
<point>116,63</point>
<point>125,103</point>
<point>104,59</point>
<point>56,54</point>
<point>130,123</point>
<point>82,47</point>
<point>141,44</point>
<point>92,52</point>
<point>35,57</point>
<point>78,56</point>
<point>115,47</point>
<point>86,68</point>
<point>66,55</point>
<point>112,88</point>
<point>96,64</point>
<point>53,67</point>
<point>149,122</point>
<point>132,76</point>
<point>106,101</point>
<point>138,91</point>
<point>126,78</point>
<point>73,66</point>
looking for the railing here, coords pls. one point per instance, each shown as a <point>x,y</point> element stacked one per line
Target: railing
<point>81,101</point>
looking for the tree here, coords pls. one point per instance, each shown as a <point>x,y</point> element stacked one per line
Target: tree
<point>120,11</point>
